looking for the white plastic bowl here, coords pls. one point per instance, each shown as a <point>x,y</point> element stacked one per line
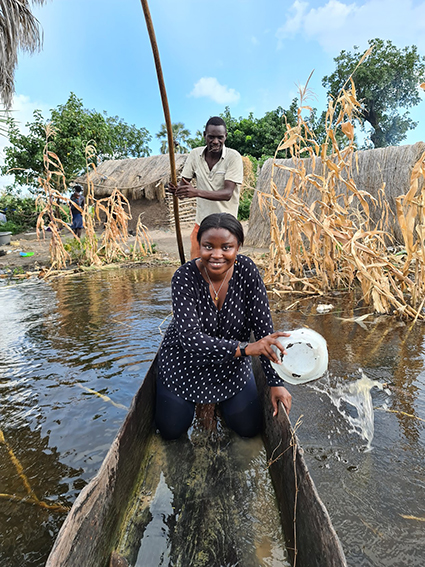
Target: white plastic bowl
<point>307,357</point>
<point>5,238</point>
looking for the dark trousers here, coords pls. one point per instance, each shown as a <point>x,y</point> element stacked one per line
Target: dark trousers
<point>241,412</point>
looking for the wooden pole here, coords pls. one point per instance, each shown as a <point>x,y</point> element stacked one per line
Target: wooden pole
<point>167,117</point>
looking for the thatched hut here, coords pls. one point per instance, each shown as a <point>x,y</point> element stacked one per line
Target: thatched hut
<point>142,182</point>
<point>388,168</point>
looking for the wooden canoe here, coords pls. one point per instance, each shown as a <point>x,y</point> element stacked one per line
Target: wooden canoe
<point>91,531</point>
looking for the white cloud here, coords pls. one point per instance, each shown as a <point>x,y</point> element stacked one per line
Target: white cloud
<point>294,21</point>
<point>254,40</point>
<point>210,87</point>
<point>336,24</point>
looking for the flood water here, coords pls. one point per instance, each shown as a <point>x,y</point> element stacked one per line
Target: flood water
<point>63,343</point>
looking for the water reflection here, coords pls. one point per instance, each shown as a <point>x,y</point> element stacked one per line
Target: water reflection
<point>63,344</point>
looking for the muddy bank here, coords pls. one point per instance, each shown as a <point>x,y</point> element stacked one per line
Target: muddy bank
<point>166,250</point>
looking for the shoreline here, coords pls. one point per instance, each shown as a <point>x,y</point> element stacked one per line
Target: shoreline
<point>38,264</point>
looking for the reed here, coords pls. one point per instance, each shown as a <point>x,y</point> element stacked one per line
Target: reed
<point>143,245</point>
<point>333,242</point>
<point>50,204</point>
<point>112,211</point>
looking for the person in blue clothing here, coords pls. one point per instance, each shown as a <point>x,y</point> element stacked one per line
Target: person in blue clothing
<point>218,300</point>
<point>77,218</point>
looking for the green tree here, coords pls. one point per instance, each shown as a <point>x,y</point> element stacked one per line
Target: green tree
<point>180,138</point>
<point>259,137</point>
<point>386,82</point>
<point>74,127</point>
<point>197,141</point>
<point>19,29</point>
<point>255,137</point>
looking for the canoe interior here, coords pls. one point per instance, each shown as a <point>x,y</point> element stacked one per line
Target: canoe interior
<point>204,501</point>
<point>115,509</point>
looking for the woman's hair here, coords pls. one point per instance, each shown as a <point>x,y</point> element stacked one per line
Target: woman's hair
<point>222,220</point>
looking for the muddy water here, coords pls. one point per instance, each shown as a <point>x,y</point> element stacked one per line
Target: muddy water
<point>65,342</point>
<point>363,432</point>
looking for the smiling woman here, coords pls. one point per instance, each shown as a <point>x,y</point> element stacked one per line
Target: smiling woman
<point>218,300</point>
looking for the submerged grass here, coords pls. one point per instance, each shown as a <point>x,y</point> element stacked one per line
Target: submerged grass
<point>333,243</point>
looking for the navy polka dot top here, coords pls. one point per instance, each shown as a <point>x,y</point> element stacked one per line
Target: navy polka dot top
<point>197,356</point>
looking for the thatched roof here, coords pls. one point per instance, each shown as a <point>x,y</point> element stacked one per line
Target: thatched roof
<point>390,166</point>
<point>136,178</point>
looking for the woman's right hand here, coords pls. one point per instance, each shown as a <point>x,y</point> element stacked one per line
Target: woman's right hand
<point>264,347</point>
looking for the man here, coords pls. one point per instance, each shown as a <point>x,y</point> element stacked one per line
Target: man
<point>219,174</point>
<point>77,218</point>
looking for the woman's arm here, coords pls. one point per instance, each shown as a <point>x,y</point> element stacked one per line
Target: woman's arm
<point>262,326</point>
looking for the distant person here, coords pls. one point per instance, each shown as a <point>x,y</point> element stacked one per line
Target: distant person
<point>77,218</point>
<point>219,174</point>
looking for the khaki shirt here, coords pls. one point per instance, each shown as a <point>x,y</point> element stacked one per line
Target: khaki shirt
<point>228,168</point>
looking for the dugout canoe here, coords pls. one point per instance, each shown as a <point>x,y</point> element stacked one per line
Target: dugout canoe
<point>92,530</point>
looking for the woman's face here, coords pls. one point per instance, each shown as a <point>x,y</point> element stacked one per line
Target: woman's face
<point>219,248</point>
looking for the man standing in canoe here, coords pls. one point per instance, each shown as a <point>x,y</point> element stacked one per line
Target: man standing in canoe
<point>219,174</point>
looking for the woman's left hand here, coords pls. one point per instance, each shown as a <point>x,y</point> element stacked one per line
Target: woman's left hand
<point>280,393</point>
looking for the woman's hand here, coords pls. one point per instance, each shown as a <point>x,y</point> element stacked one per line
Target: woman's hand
<point>280,393</point>
<point>264,347</point>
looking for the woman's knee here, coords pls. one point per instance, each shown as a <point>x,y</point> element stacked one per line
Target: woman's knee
<point>247,423</point>
<point>173,415</point>
<point>243,412</point>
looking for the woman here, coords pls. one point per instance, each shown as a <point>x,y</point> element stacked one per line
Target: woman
<point>218,299</point>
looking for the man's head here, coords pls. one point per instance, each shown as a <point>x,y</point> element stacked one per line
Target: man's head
<point>77,188</point>
<point>215,134</point>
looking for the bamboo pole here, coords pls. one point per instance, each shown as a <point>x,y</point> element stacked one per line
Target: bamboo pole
<point>167,117</point>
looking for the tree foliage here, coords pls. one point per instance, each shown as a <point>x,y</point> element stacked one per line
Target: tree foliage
<point>386,82</point>
<point>74,127</point>
<point>258,137</point>
<point>20,212</point>
<point>180,138</point>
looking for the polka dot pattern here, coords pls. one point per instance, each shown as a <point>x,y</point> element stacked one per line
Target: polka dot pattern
<point>197,356</point>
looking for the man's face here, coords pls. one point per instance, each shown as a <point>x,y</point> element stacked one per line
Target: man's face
<point>215,136</point>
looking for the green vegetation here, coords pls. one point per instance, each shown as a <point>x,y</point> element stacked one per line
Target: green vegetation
<point>245,204</point>
<point>180,138</point>
<point>258,137</point>
<point>75,248</point>
<point>73,127</point>
<point>386,82</point>
<point>20,212</point>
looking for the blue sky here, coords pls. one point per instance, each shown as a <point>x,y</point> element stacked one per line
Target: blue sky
<point>246,54</point>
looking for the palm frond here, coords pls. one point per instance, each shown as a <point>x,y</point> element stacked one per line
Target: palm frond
<point>19,29</point>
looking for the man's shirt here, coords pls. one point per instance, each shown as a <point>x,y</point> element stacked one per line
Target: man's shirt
<point>228,168</point>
